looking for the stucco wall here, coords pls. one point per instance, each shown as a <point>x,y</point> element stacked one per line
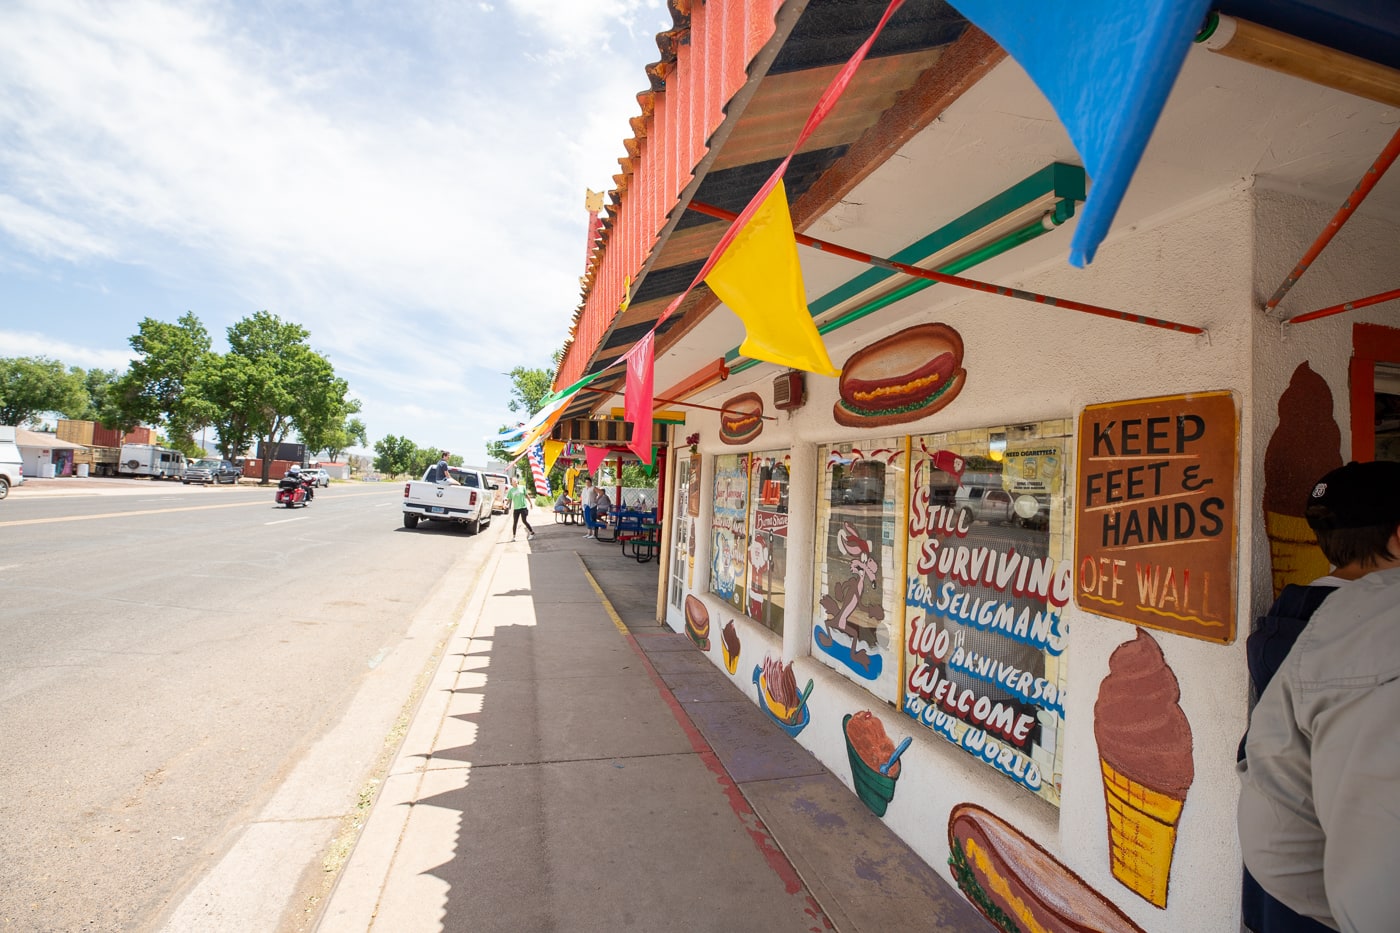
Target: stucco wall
<point>1027,363</point>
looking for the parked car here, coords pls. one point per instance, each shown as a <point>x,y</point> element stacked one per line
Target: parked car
<point>319,476</point>
<point>11,463</point>
<point>209,470</point>
<point>987,503</point>
<point>464,498</point>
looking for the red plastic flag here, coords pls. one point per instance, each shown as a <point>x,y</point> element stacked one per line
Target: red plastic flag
<point>636,408</point>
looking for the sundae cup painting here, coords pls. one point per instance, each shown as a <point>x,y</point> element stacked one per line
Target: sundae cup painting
<point>1019,886</point>
<point>1304,446</point>
<point>729,646</point>
<point>1145,749</point>
<point>697,623</point>
<point>874,759</point>
<point>853,609</point>
<point>778,696</point>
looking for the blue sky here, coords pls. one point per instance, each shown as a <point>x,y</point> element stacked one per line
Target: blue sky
<point>406,180</point>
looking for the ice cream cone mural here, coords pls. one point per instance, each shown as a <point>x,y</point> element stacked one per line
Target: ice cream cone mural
<point>1305,445</point>
<point>729,646</point>
<point>1145,757</point>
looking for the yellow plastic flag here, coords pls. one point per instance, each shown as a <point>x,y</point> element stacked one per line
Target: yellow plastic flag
<point>552,450</point>
<point>760,279</point>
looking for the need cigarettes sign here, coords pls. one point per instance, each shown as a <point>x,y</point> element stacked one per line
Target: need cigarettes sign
<point>1155,527</point>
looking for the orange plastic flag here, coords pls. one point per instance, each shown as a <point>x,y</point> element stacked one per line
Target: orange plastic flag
<point>760,279</point>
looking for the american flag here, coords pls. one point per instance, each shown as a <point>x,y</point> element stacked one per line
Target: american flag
<point>536,456</point>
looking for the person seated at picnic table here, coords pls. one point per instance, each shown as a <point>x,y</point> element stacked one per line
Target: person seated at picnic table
<point>563,503</point>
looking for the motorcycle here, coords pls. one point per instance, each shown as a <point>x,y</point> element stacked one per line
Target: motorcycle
<point>292,491</point>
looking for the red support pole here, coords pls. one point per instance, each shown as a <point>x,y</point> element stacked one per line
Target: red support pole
<point>1345,306</point>
<point>1358,194</point>
<point>961,282</point>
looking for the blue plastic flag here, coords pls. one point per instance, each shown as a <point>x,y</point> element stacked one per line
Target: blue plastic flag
<point>1106,66</point>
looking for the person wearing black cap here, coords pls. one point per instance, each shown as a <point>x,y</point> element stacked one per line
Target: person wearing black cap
<point>1320,765</point>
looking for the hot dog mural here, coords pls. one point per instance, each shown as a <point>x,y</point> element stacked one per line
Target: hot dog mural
<point>1019,886</point>
<point>903,377</point>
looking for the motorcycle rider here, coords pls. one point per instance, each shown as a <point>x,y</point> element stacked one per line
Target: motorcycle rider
<point>294,474</point>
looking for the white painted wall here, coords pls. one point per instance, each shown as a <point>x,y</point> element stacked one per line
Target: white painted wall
<point>1210,267</point>
<point>1219,212</point>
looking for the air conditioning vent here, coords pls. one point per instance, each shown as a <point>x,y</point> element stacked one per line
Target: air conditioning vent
<point>789,391</point>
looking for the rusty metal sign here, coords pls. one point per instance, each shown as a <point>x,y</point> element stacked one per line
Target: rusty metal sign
<point>1156,513</point>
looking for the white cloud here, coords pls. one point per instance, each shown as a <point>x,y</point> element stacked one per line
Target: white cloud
<point>48,235</point>
<point>28,343</point>
<point>409,188</point>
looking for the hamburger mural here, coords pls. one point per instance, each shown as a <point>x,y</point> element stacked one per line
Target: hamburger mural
<point>741,419</point>
<point>697,623</point>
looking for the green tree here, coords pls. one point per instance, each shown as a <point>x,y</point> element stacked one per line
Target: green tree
<point>100,385</point>
<point>30,386</point>
<point>271,382</point>
<point>227,385</point>
<point>157,387</point>
<point>394,455</point>
<point>529,387</point>
<point>351,433</point>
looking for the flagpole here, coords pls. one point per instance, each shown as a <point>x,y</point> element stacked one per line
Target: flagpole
<point>959,281</point>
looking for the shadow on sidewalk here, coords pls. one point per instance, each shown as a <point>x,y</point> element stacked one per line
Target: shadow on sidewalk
<point>584,780</point>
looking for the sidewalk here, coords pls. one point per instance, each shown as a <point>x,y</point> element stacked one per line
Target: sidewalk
<point>574,766</point>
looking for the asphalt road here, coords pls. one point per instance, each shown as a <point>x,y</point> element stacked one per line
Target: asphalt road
<point>196,687</point>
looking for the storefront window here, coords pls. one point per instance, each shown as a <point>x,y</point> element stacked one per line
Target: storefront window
<point>857,602</point>
<point>768,525</point>
<point>987,578</point>
<point>729,540</point>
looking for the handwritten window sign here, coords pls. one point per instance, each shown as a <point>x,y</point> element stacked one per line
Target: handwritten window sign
<point>987,578</point>
<point>1156,526</point>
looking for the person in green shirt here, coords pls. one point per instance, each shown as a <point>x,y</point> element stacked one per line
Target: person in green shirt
<point>520,506</point>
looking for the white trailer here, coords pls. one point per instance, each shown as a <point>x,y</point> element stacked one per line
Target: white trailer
<point>150,460</point>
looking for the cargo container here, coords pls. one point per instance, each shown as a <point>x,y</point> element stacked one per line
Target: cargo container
<point>101,446</point>
<point>293,452</point>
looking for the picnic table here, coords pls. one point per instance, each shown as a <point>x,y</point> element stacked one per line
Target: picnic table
<point>625,526</point>
<point>646,543</point>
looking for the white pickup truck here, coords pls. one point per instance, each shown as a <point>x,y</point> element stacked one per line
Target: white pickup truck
<point>465,498</point>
